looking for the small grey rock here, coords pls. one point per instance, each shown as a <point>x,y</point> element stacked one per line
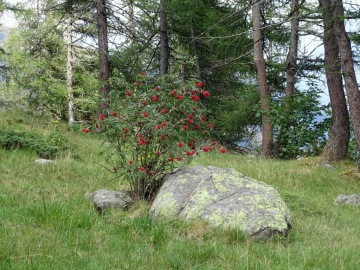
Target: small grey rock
<point>328,166</point>
<point>353,199</point>
<point>110,198</point>
<point>42,161</point>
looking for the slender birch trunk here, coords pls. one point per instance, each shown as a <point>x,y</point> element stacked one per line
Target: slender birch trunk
<point>69,68</point>
<point>103,49</point>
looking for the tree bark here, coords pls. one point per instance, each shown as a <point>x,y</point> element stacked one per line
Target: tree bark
<point>267,129</point>
<point>131,21</point>
<point>164,41</point>
<point>339,136</point>
<point>291,69</point>
<point>69,68</point>
<point>291,66</point>
<point>195,45</point>
<point>103,50</point>
<point>347,66</point>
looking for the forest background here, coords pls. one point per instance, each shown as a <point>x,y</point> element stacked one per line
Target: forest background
<point>255,58</point>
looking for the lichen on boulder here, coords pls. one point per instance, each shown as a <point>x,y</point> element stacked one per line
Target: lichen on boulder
<point>223,198</point>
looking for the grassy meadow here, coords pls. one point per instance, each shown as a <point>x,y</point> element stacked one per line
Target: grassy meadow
<point>46,223</point>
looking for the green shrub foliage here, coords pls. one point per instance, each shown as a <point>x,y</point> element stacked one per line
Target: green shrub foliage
<point>23,140</point>
<point>48,148</point>
<point>300,125</point>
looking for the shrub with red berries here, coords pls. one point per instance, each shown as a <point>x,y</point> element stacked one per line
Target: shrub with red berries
<point>153,127</point>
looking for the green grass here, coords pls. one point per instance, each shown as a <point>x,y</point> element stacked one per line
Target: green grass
<point>46,223</point>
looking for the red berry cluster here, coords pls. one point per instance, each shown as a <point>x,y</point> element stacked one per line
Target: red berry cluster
<point>154,128</point>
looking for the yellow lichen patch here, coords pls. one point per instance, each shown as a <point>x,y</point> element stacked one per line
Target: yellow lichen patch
<point>169,206</point>
<point>219,181</point>
<point>183,180</point>
<point>237,220</point>
<point>201,198</point>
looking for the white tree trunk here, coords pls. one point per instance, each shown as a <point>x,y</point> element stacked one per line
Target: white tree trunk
<point>69,69</point>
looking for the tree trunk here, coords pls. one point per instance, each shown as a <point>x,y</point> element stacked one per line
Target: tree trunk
<point>291,69</point>
<point>347,65</point>
<point>69,69</point>
<point>267,130</point>
<point>195,46</point>
<point>103,49</point>
<point>164,41</point>
<point>131,21</point>
<point>291,66</point>
<point>337,145</point>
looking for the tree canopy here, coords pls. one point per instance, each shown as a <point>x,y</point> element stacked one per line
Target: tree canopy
<point>259,60</point>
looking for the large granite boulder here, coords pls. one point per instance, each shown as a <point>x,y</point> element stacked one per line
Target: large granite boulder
<point>223,198</point>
